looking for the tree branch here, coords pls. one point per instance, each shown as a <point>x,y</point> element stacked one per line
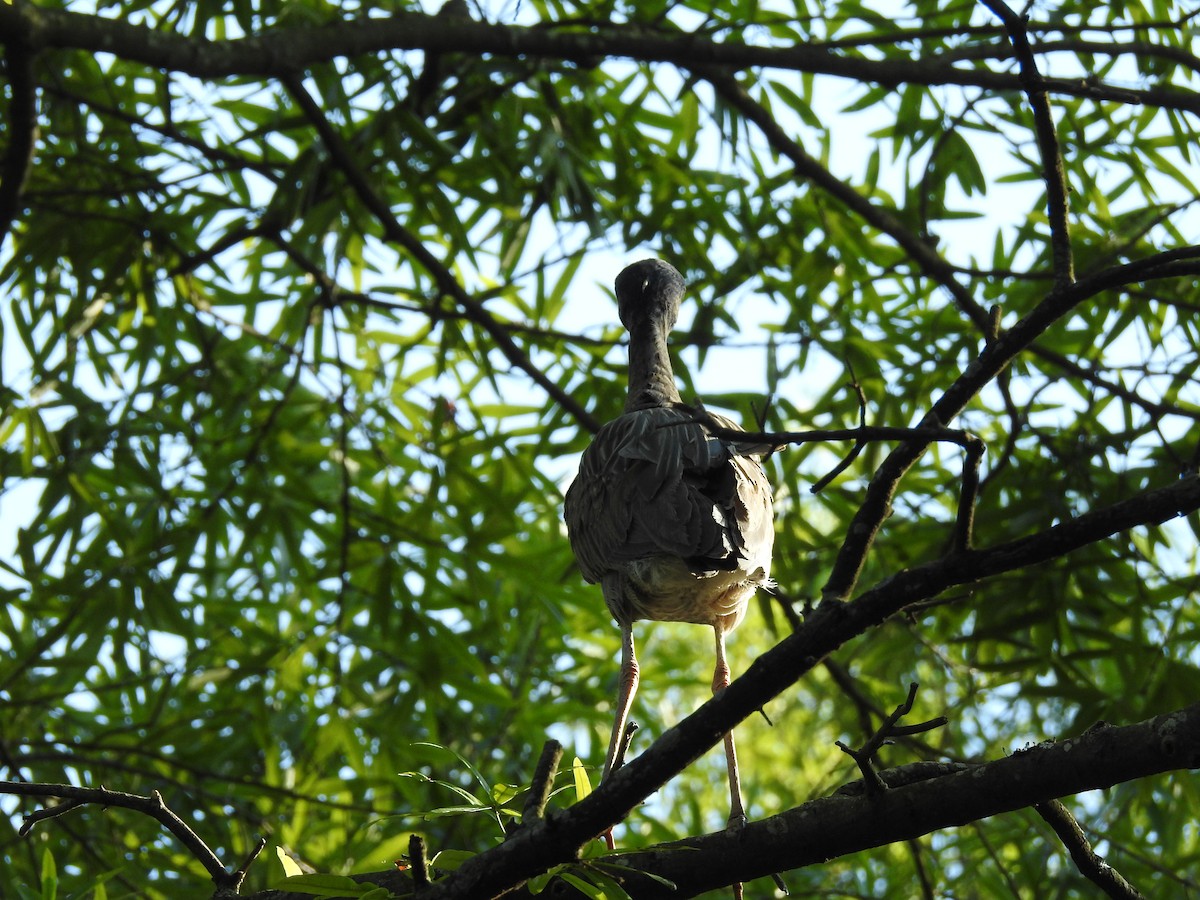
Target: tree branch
<point>288,50</point>
<point>862,435</point>
<point>152,806</point>
<point>1093,867</point>
<point>864,756</point>
<point>1057,202</point>
<point>852,820</point>
<point>542,783</point>
<point>921,797</point>
<point>996,355</point>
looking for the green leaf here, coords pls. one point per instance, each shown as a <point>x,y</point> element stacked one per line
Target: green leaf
<point>587,888</point>
<point>325,886</point>
<point>290,867</point>
<point>49,876</point>
<point>450,860</point>
<point>583,784</point>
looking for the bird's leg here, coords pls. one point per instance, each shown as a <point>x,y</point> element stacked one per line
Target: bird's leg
<point>737,812</point>
<point>625,693</point>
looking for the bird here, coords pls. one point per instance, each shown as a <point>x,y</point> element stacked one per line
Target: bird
<point>673,522</point>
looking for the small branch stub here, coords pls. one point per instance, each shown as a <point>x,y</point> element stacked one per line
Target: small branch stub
<point>543,781</point>
<point>419,861</point>
<point>631,728</point>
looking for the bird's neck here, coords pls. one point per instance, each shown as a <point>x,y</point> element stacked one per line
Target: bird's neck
<point>651,379</point>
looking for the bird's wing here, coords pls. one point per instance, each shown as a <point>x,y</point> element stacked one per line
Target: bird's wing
<point>654,482</point>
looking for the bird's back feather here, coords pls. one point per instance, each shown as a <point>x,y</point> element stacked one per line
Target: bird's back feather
<point>674,523</point>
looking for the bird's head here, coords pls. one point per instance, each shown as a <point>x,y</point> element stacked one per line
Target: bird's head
<point>649,291</point>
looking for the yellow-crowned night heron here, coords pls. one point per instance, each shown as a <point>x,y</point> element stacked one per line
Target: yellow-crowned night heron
<point>672,522</point>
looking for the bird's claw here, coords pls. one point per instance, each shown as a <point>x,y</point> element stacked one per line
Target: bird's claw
<point>736,823</point>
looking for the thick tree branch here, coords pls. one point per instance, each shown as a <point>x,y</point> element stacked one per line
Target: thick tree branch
<point>920,798</point>
<point>851,821</point>
<point>289,50</point>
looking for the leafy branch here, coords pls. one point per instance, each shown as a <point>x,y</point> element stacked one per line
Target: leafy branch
<point>445,279</point>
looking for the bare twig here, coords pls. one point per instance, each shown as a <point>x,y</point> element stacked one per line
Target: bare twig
<point>631,728</point>
<point>49,812</point>
<point>249,860</point>
<point>914,847</point>
<point>859,445</point>
<point>964,525</point>
<point>864,706</point>
<point>864,434</point>
<point>1091,866</point>
<point>780,439</point>
<point>152,806</point>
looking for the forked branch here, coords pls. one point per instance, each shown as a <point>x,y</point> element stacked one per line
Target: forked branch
<point>883,735</point>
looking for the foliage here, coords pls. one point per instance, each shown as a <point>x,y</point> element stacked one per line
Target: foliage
<point>298,358</point>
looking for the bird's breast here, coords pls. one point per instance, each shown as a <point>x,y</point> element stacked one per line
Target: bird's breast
<point>665,589</point>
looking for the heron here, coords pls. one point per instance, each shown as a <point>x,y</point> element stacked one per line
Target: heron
<point>674,523</point>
